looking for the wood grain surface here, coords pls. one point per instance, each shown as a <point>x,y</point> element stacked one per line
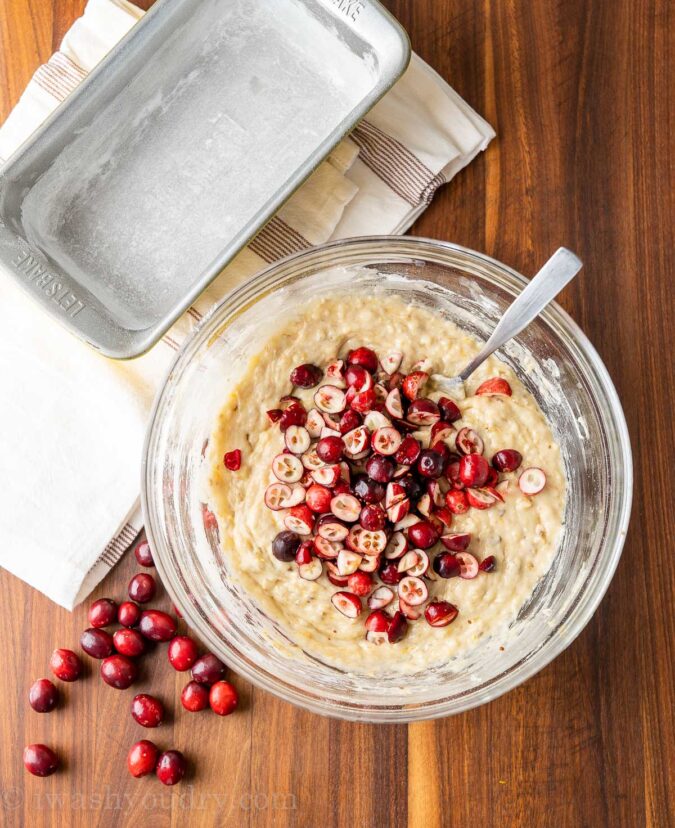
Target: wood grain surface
<point>580,94</point>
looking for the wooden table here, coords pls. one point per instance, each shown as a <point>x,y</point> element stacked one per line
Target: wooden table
<point>579,93</point>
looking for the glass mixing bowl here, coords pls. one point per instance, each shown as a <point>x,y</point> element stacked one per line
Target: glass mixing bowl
<point>554,360</point>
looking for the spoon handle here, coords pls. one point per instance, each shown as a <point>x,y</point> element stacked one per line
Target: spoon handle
<point>561,268</point>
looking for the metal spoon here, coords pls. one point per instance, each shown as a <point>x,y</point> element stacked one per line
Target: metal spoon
<point>560,269</point>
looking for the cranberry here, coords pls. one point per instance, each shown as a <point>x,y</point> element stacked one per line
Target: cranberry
<point>372,517</point>
<point>143,554</point>
<point>142,758</point>
<point>360,583</point>
<point>440,613</point>
<point>142,588</point>
<point>408,451</point>
<point>411,486</point>
<point>305,553</point>
<point>182,652</point>
<point>194,697</point>
<point>364,357</point>
<point>349,421</point>
<point>285,545</point>
<point>43,696</point>
<point>128,614</point>
<point>456,501</point>
<point>356,377</point>
<point>368,490</point>
<point>389,574</point>
<point>118,671</point>
<point>423,534</point>
<point>65,665</point>
<point>430,463</point>
<point>507,460</point>
<point>223,698</point>
<point>97,643</point>
<point>102,612</point>
<point>487,564</point>
<point>129,642</point>
<point>232,460</point>
<point>398,626</point>
<point>147,710</point>
<point>157,625</point>
<point>492,478</point>
<point>170,767</point>
<point>40,760</point>
<point>208,670</point>
<point>380,468</point>
<point>449,410</point>
<point>330,449</point>
<point>473,470</point>
<point>446,565</point>
<point>274,414</point>
<point>295,414</point>
<point>494,385</point>
<point>306,376</point>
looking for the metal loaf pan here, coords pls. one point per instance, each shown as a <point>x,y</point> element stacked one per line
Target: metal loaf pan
<point>172,154</point>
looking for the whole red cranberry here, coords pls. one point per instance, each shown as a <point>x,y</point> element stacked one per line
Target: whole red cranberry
<point>372,517</point>
<point>389,574</point>
<point>507,460</point>
<point>223,698</point>
<point>129,642</point>
<point>367,490</point>
<point>118,671</point>
<point>171,767</point>
<point>306,376</point>
<point>473,470</point>
<point>182,652</point>
<point>330,449</point>
<point>194,697</point>
<point>40,760</point>
<point>65,665</point>
<point>157,625</point>
<point>365,357</point>
<point>446,565</point>
<point>43,696</point>
<point>142,758</point>
<point>360,583</point>
<point>349,421</point>
<point>147,710</point>
<point>143,554</point>
<point>208,670</point>
<point>128,614</point>
<point>408,452</point>
<point>96,643</point>
<point>380,468</point>
<point>142,588</point>
<point>430,463</point>
<point>102,612</point>
<point>423,535</point>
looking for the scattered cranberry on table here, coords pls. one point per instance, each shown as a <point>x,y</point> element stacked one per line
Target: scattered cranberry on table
<point>97,643</point>
<point>143,554</point>
<point>65,665</point>
<point>157,625</point>
<point>171,767</point>
<point>182,652</point>
<point>208,669</point>
<point>119,671</point>
<point>142,588</point>
<point>195,697</point>
<point>129,642</point>
<point>147,710</point>
<point>142,758</point>
<point>40,760</point>
<point>223,698</point>
<point>43,696</point>
<point>102,612</point>
<point>128,614</point>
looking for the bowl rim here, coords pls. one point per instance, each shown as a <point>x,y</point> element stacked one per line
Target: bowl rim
<point>528,665</point>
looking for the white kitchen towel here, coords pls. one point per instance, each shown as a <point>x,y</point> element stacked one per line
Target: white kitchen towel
<point>73,421</point>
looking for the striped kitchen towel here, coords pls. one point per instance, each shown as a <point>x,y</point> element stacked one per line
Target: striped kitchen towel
<point>77,419</point>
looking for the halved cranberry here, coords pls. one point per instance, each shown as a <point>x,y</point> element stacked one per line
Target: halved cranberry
<point>386,440</point>
<point>391,362</point>
<point>356,441</point>
<point>274,414</point>
<point>147,710</point>
<point>334,576</point>
<point>128,614</point>
<point>456,501</point>
<point>396,546</point>
<point>363,401</point>
<point>440,613</point>
<point>43,696</point>
<point>481,498</point>
<point>349,421</point>
<point>194,697</point>
<point>118,671</point>
<point>330,449</point>
<point>347,603</point>
<point>473,470</point>
<point>507,460</point>
<point>358,378</point>
<point>300,519</point>
<point>65,665</point>
<point>331,528</point>
<point>348,562</point>
<point>318,498</point>
<point>304,554</point>
<point>377,621</point>
<point>398,626</point>
<point>449,409</point>
<point>380,468</point>
<point>346,507</point>
<point>446,565</point>
<point>366,542</point>
<point>285,545</point>
<point>327,549</point>
<point>414,383</point>
<point>327,476</point>
<point>335,373</point>
<point>423,534</point>
<point>306,375</point>
<point>129,642</point>
<point>456,543</point>
<point>469,441</point>
<point>142,758</point>
<point>171,767</point>
<point>423,412</point>
<point>232,460</point>
<point>142,588</point>
<point>360,583</point>
<point>389,574</point>
<point>382,597</point>
<point>487,564</point>
<point>495,385</point>
<point>40,760</point>
<point>441,431</point>
<point>97,643</point>
<point>365,357</point>
<point>413,590</point>
<point>157,625</point>
<point>208,670</point>
<point>532,481</point>
<point>143,555</point>
<point>330,399</point>
<point>223,698</point>
<point>295,414</point>
<point>297,439</point>
<point>372,517</point>
<point>367,489</point>
<point>102,612</point>
<point>393,404</point>
<point>430,463</point>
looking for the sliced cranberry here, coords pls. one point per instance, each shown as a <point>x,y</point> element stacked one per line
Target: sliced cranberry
<point>330,399</point>
<point>65,665</point>
<point>327,549</point>
<point>456,543</point>
<point>304,554</point>
<point>441,431</point>
<point>391,362</point>
<point>495,385</point>
<point>208,670</point>
<point>367,489</point>
<point>423,412</point>
<point>349,421</point>
<point>396,546</point>
<point>468,565</point>
<point>334,576</point>
<point>377,638</point>
<point>194,697</point>
<point>330,449</point>
<point>128,614</point>
<point>507,460</point>
<point>300,519</point>
<point>488,564</point>
<point>295,414</point>
<point>370,563</point>
<point>386,440</point>
<point>440,613</point>
<point>129,642</point>
<point>367,542</point>
<point>223,698</point>
<point>274,414</point>
<point>381,597</point>
<point>389,574</point>
<point>147,710</point>
<point>40,760</point>
<point>347,603</point>
<point>97,643</point>
<point>398,511</point>
<point>348,562</point>
<point>346,507</point>
<point>332,528</point>
<point>335,373</point>
<point>315,423</point>
<point>327,476</point>
<point>365,357</point>
<point>393,404</point>
<point>398,627</point>
<point>469,442</point>
<point>142,758</point>
<point>143,555</point>
<point>372,517</point>
<point>360,583</point>
<point>446,565</point>
<point>414,383</point>
<point>481,498</point>
<point>102,612</point>
<point>380,468</point>
<point>287,467</point>
<point>232,460</point>
<point>118,671</point>
<point>408,452</point>
<point>157,625</point>
<point>449,410</point>
<point>171,767</point>
<point>356,441</point>
<point>423,534</point>
<point>363,401</point>
<point>473,470</point>
<point>532,481</point>
<point>142,588</point>
<point>424,505</point>
<point>358,378</point>
<point>412,613</point>
<point>311,571</point>
<point>377,621</point>
<point>408,561</point>
<point>297,439</point>
<point>430,463</point>
<point>276,494</point>
<point>43,696</point>
<point>285,545</point>
<point>319,498</point>
<point>444,517</point>
<point>456,501</point>
<point>306,376</point>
